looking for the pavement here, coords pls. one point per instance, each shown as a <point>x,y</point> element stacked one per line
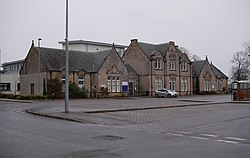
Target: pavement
<point>86,110</point>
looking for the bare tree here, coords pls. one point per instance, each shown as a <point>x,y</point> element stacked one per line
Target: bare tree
<point>241,64</point>
<point>191,56</point>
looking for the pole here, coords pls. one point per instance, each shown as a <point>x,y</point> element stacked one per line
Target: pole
<point>67,64</point>
<point>39,65</point>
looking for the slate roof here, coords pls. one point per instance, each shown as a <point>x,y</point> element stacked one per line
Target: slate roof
<point>218,73</point>
<point>54,59</point>
<point>130,69</point>
<point>198,66</point>
<point>149,49</point>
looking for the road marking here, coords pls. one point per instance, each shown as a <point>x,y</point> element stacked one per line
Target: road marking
<point>183,132</point>
<point>209,135</point>
<point>15,110</point>
<point>227,141</point>
<point>175,134</point>
<point>235,138</point>
<point>202,138</point>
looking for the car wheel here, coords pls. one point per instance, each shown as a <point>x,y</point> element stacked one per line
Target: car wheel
<point>157,96</point>
<point>169,95</point>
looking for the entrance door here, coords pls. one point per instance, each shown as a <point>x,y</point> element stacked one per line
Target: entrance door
<point>32,88</point>
<point>131,88</point>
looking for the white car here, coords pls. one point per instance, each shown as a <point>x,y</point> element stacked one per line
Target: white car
<point>166,93</point>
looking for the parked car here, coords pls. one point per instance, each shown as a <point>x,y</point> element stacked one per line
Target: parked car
<point>166,93</point>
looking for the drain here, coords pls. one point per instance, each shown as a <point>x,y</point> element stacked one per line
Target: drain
<point>108,137</point>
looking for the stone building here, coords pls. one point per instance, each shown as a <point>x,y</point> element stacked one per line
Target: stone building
<point>91,70</point>
<point>208,78</point>
<point>143,68</point>
<point>159,66</point>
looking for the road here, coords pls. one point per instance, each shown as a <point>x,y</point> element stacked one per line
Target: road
<point>220,130</point>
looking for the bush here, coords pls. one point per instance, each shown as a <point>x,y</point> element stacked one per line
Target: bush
<point>76,92</point>
<point>104,91</point>
<point>11,96</point>
<point>207,92</point>
<point>54,87</point>
<point>2,95</point>
<point>83,92</point>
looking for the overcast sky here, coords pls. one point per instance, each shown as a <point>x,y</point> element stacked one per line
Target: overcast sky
<point>216,28</point>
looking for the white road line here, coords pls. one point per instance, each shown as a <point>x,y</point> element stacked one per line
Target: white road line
<point>235,138</point>
<point>175,134</point>
<point>202,138</point>
<point>227,141</point>
<point>209,135</point>
<point>183,132</point>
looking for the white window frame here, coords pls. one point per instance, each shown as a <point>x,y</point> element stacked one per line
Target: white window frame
<point>158,64</point>
<point>63,78</point>
<point>184,84</point>
<point>80,81</point>
<point>114,84</point>
<point>207,83</point>
<point>172,84</point>
<point>184,65</point>
<point>158,83</point>
<point>172,64</point>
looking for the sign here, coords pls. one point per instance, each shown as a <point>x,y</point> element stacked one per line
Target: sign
<point>124,87</point>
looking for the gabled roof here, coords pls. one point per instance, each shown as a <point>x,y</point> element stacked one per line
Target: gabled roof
<point>197,67</point>
<point>149,49</point>
<point>218,73</point>
<point>130,69</point>
<point>54,59</point>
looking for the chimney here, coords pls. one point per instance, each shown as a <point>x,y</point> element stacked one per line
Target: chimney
<point>134,41</point>
<point>171,42</point>
<point>32,44</point>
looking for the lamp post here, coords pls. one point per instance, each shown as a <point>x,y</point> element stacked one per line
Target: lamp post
<point>67,64</point>
<point>39,64</point>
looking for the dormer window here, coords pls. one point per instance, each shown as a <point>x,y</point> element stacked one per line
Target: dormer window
<point>158,62</point>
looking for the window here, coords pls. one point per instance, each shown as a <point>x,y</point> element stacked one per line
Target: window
<point>184,84</point>
<point>18,86</point>
<point>184,65</point>
<point>6,69</point>
<point>63,78</point>
<point>158,83</point>
<point>207,84</point>
<point>221,85</point>
<point>114,84</point>
<point>172,84</point>
<point>158,63</point>
<point>80,81</point>
<point>15,67</point>
<point>172,64</point>
<point>4,86</point>
<point>32,89</point>
<point>11,68</point>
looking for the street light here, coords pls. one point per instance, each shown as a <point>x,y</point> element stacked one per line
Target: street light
<point>39,64</point>
<point>67,64</point>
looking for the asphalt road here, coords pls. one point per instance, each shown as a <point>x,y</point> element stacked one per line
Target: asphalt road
<point>205,131</point>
